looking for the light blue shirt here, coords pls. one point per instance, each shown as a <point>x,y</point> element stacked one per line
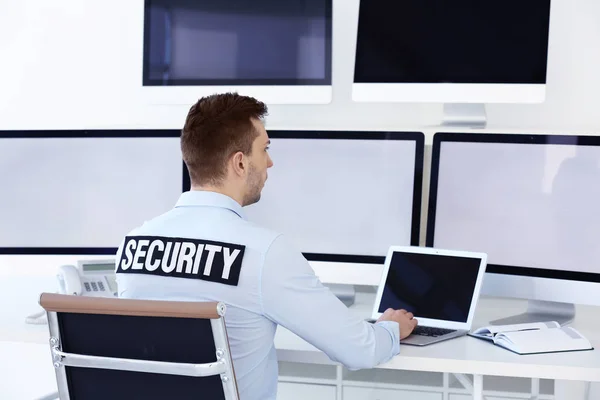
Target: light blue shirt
<point>276,286</point>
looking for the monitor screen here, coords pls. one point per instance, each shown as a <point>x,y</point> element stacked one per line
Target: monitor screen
<point>237,42</point>
<point>529,201</point>
<point>343,196</point>
<point>430,285</point>
<point>457,41</point>
<point>80,192</point>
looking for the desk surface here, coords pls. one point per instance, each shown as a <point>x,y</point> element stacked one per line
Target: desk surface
<point>470,355</point>
<point>462,355</point>
<point>26,371</point>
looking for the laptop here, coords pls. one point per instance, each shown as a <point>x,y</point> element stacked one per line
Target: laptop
<point>440,287</point>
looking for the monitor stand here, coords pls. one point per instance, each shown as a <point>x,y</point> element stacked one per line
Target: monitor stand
<point>470,115</point>
<point>541,311</point>
<point>346,293</point>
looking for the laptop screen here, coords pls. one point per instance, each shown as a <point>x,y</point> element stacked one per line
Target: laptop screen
<point>431,286</point>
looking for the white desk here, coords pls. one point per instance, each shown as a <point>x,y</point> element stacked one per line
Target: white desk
<point>26,371</point>
<point>468,355</point>
<point>473,356</point>
<point>464,355</point>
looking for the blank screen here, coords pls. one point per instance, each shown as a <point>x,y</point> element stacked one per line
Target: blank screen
<point>259,42</point>
<point>431,286</point>
<point>84,192</point>
<point>336,196</point>
<point>525,205</point>
<point>452,41</point>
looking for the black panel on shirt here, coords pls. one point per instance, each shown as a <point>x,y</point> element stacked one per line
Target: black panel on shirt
<point>182,258</point>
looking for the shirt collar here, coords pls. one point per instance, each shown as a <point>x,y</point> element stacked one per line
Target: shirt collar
<point>202,198</point>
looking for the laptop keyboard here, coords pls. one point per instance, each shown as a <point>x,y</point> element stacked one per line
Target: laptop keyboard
<point>433,332</point>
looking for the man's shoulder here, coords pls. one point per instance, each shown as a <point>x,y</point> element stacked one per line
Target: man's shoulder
<point>242,232</point>
<point>260,231</point>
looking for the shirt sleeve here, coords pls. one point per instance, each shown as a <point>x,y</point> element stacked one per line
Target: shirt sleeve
<point>293,297</point>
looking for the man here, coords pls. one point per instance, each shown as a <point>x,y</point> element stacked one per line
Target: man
<point>204,249</point>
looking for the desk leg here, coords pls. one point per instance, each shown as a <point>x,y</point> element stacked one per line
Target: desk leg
<point>340,382</point>
<point>477,387</point>
<point>446,395</point>
<point>535,389</point>
<point>570,390</point>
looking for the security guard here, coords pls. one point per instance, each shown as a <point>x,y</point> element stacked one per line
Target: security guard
<point>205,249</point>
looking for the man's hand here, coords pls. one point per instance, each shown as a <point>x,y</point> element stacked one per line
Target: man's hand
<point>404,318</point>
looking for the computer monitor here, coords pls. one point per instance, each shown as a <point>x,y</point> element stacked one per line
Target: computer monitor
<point>459,51</point>
<point>80,192</point>
<point>531,203</point>
<point>277,51</point>
<point>343,196</point>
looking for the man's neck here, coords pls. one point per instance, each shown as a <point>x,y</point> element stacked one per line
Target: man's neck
<point>219,189</point>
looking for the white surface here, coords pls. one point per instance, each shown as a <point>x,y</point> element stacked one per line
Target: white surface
<point>348,273</point>
<point>360,393</point>
<point>448,93</point>
<point>84,192</point>
<point>26,371</point>
<point>347,188</point>
<point>469,397</point>
<point>482,258</point>
<point>188,95</point>
<point>527,205</point>
<point>301,391</point>
<point>546,289</point>
<point>97,85</point>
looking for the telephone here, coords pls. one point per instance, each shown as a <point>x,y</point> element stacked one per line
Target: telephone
<point>94,278</point>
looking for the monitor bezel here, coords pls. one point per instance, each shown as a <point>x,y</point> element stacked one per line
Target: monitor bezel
<point>417,137</point>
<point>85,134</point>
<point>516,138</point>
<point>214,84</point>
<point>468,90</point>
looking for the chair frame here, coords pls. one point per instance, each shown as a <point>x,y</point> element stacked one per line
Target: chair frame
<point>215,311</point>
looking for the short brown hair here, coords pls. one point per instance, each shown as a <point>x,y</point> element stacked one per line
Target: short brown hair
<point>216,127</point>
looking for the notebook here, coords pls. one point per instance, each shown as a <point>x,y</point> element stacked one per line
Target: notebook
<point>440,287</point>
<point>534,338</point>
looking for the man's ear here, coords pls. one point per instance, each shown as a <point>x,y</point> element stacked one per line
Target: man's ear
<point>238,163</point>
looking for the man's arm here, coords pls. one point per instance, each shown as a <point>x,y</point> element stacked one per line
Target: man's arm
<point>293,297</point>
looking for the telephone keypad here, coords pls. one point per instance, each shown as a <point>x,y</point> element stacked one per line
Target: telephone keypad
<point>87,287</point>
<point>94,286</point>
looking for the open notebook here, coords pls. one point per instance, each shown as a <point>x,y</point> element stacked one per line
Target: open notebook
<point>534,338</point>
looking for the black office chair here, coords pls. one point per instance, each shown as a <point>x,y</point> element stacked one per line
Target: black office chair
<point>109,348</point>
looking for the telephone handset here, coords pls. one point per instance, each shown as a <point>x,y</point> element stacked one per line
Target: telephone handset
<point>94,278</point>
<point>69,281</point>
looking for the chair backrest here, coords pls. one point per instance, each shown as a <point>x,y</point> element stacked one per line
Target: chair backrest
<point>110,348</point>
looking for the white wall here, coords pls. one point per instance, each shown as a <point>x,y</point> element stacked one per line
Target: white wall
<point>74,64</point>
